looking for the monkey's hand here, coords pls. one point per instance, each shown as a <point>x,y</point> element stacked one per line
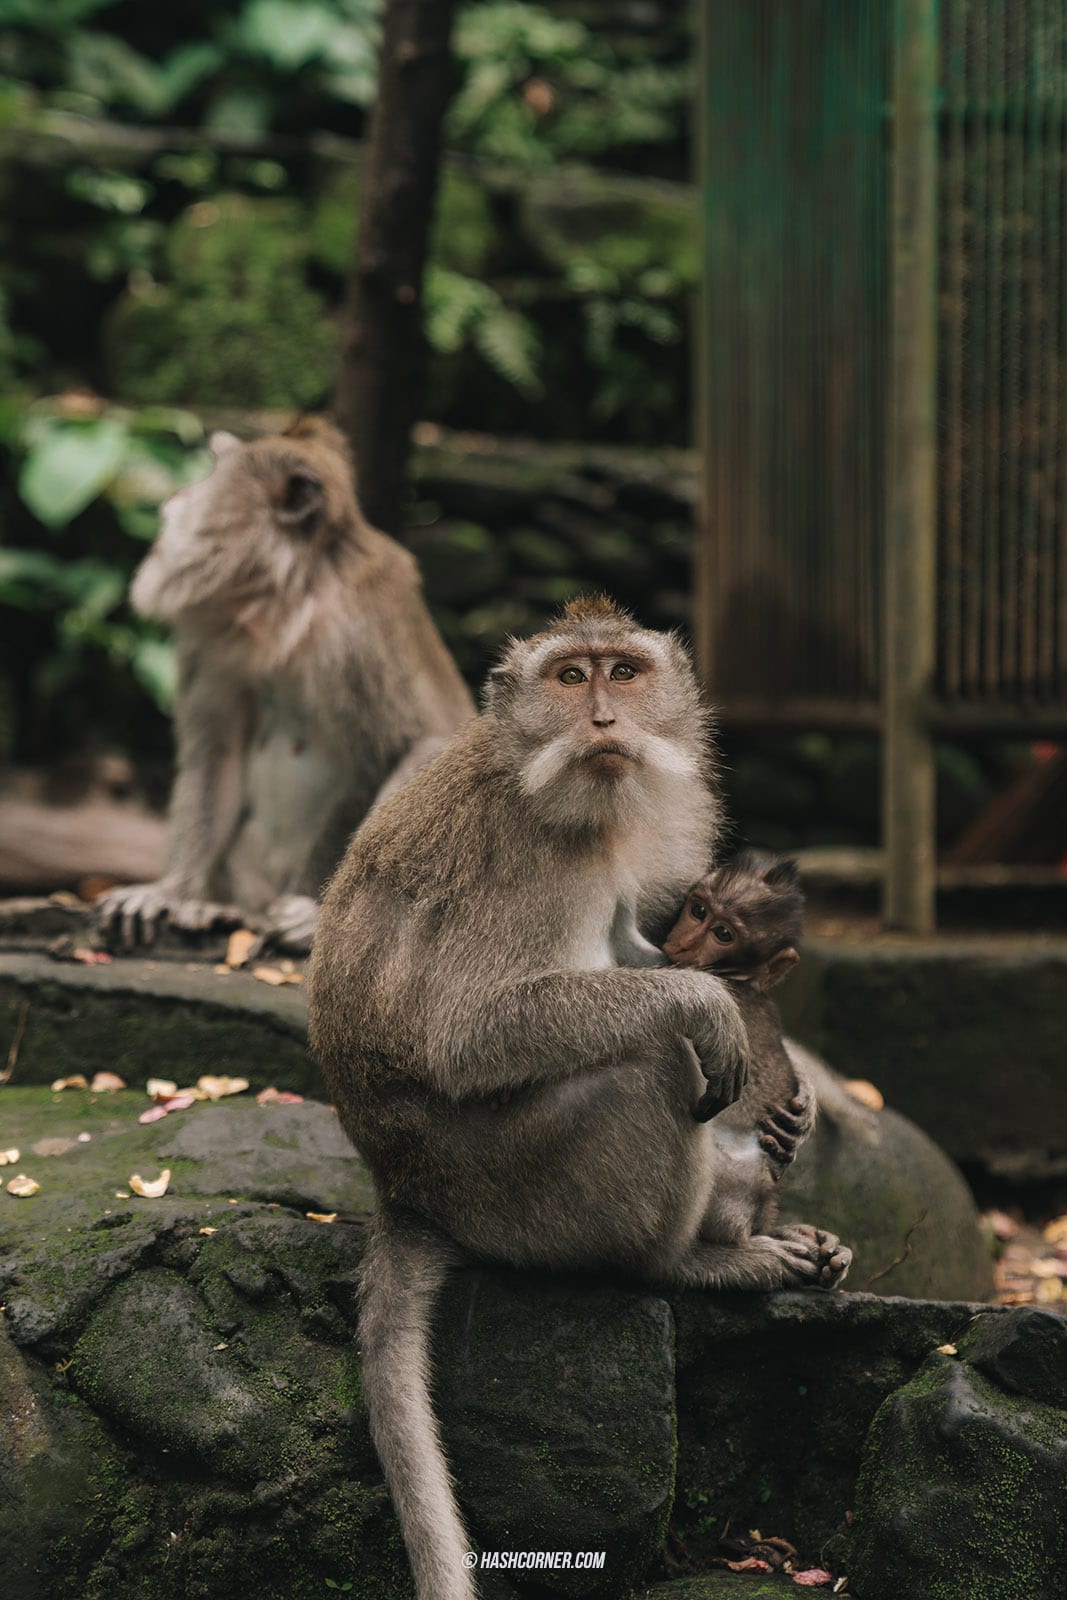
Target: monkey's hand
<point>132,915</point>
<point>721,1046</point>
<point>783,1128</point>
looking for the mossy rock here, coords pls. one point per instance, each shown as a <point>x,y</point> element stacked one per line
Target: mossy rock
<point>961,1492</point>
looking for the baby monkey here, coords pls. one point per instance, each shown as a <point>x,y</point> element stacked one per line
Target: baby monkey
<point>743,922</point>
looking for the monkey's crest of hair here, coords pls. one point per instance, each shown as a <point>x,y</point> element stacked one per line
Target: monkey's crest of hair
<point>594,608</point>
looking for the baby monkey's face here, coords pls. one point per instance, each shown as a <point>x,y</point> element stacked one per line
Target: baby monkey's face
<point>704,936</point>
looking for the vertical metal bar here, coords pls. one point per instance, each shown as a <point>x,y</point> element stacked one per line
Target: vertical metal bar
<point>954,201</point>
<point>911,510</point>
<point>994,358</point>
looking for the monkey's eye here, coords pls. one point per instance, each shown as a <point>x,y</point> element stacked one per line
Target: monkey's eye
<point>572,675</point>
<point>623,672</point>
<point>698,909</point>
<point>723,934</point>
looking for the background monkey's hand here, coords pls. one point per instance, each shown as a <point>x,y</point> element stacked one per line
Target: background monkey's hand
<point>722,1049</point>
<point>783,1128</point>
<point>131,916</point>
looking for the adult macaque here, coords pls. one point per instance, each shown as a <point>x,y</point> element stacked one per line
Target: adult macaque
<point>309,672</point>
<point>483,933</point>
<point>743,921</point>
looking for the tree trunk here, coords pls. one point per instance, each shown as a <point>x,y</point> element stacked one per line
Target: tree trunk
<point>382,345</point>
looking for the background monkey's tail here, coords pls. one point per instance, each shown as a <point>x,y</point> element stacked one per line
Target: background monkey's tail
<point>403,1268</point>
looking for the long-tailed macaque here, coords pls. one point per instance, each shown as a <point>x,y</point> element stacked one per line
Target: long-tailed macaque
<point>743,922</point>
<point>484,933</point>
<point>309,673</point>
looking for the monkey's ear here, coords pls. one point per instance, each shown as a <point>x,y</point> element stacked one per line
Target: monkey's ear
<point>784,874</point>
<point>779,965</point>
<point>222,443</point>
<point>299,501</point>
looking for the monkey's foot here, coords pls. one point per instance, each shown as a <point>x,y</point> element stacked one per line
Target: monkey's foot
<point>832,1258</point>
<point>290,925</point>
<point>132,915</point>
<point>783,1129</point>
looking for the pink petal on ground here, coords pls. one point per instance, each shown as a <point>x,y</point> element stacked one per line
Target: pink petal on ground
<point>813,1578</point>
<point>153,1114</point>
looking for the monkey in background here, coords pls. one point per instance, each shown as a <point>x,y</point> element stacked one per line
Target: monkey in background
<point>484,933</point>
<point>743,921</point>
<point>309,674</point>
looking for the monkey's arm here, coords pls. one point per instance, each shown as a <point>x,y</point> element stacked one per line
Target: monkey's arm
<point>554,1024</point>
<point>212,727</point>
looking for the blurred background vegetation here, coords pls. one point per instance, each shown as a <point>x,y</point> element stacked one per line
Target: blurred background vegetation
<point>180,193</point>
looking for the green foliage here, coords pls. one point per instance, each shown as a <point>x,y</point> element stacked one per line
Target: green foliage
<point>235,322</point>
<point>537,85</point>
<point>462,311</point>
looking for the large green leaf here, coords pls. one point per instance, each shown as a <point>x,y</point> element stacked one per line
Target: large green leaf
<point>67,467</point>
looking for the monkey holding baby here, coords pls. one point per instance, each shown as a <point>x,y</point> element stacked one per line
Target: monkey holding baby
<point>483,934</point>
<point>309,674</point>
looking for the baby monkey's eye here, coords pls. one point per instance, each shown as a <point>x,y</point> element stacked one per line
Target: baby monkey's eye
<point>572,675</point>
<point>622,672</point>
<point>698,909</point>
<point>724,934</point>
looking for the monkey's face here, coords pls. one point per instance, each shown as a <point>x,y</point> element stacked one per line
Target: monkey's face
<point>705,936</point>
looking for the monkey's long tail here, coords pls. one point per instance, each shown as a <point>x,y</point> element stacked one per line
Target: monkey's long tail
<point>403,1269</point>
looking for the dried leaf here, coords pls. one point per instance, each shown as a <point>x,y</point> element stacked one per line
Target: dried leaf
<point>77,1081</point>
<point>153,1114</point>
<point>278,1097</point>
<point>1048,1290</point>
<point>207,1232</point>
<point>107,1083</point>
<point>1003,1226</point>
<point>22,1187</point>
<point>749,1564</point>
<point>321,1216</point>
<point>947,1350</point>
<point>239,947</point>
<point>813,1577</point>
<point>92,958</point>
<point>9,1158</point>
<point>217,1088</point>
<point>120,1194</point>
<point>275,975</point>
<point>153,1190</point>
<point>52,1147</point>
<point>160,1088</point>
<point>866,1093</point>
<point>1056,1231</point>
<point>222,970</point>
<point>84,1138</point>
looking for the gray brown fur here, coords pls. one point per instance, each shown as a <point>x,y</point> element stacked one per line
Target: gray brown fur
<point>309,672</point>
<point>483,934</point>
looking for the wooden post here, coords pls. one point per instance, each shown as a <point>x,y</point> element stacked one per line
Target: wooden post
<point>908,793</point>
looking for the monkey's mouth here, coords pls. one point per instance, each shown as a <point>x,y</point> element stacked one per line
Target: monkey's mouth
<point>594,752</point>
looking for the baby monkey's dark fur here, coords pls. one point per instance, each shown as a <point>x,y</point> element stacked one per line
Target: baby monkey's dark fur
<point>743,921</point>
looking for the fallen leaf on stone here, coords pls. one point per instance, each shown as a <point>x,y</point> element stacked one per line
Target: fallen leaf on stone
<point>217,1088</point>
<point>63,897</point>
<point>278,1097</point>
<point>91,958</point>
<point>813,1577</point>
<point>153,1114</point>
<point>52,1147</point>
<point>77,1081</point>
<point>107,1083</point>
<point>222,970</point>
<point>1056,1231</point>
<point>160,1088</point>
<point>22,1187</point>
<point>275,975</point>
<point>947,1350</point>
<point>1048,1290</point>
<point>120,1194</point>
<point>840,1585</point>
<point>749,1564</point>
<point>153,1190</point>
<point>208,1231</point>
<point>321,1216</point>
<point>9,1158</point>
<point>239,946</point>
<point>223,1346</point>
<point>84,1138</point>
<point>865,1093</point>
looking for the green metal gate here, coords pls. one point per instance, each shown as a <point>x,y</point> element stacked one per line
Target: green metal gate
<point>884,380</point>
